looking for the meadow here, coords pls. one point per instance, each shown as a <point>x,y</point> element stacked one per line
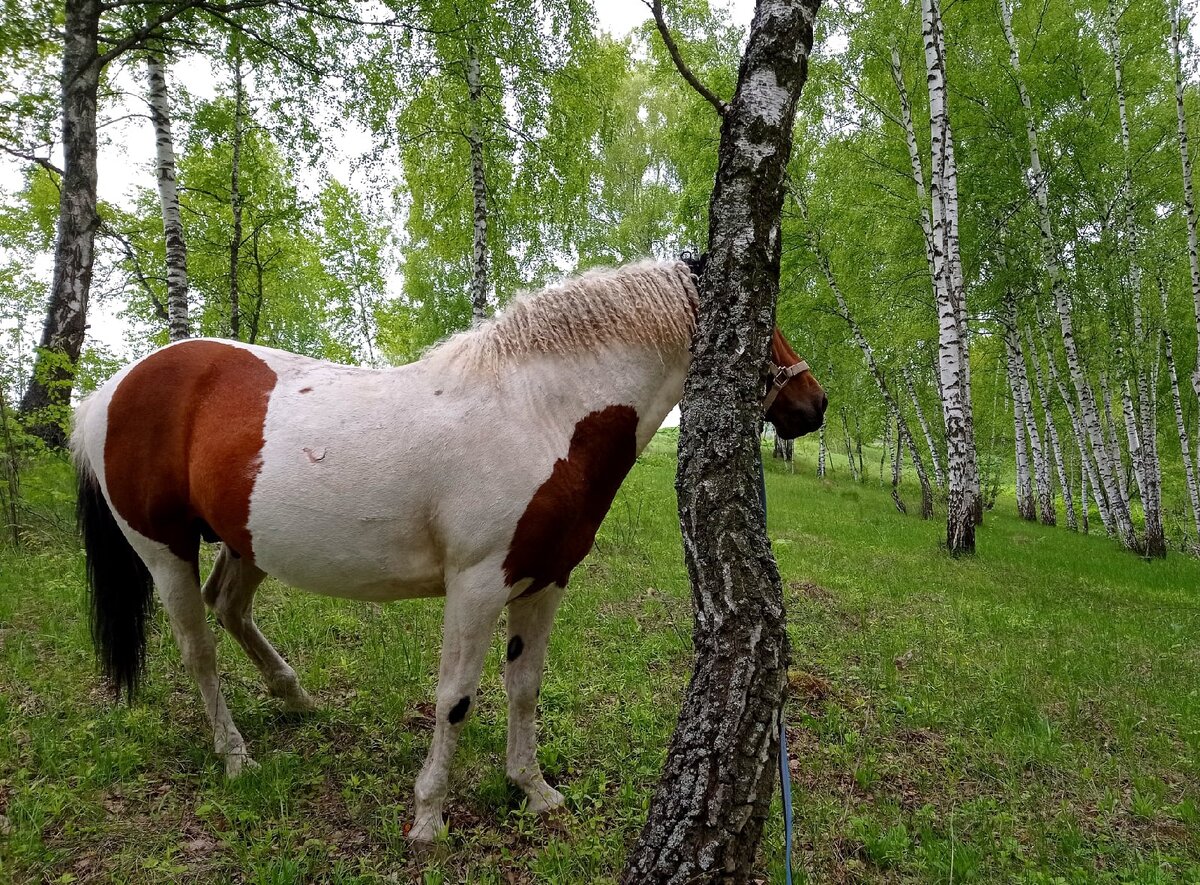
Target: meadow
<point>1029,715</point>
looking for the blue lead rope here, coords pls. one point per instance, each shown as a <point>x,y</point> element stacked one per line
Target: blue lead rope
<point>785,773</point>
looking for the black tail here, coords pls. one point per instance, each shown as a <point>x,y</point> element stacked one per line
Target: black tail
<point>121,590</point>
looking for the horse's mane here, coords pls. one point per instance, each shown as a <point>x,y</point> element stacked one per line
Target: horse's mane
<point>650,303</point>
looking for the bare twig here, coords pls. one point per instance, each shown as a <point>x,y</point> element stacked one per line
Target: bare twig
<point>44,162</point>
<point>655,7</point>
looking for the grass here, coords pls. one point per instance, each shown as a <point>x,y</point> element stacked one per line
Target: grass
<point>1029,715</point>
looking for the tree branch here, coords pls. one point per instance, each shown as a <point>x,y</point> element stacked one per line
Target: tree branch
<point>707,94</point>
<point>44,162</point>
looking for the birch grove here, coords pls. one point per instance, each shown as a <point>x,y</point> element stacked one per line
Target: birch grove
<point>989,205</point>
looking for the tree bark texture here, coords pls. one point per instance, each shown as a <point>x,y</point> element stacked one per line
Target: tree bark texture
<point>707,814</point>
<point>235,196</point>
<point>47,398</point>
<point>168,198</point>
<point>479,244</point>
<point>1121,522</point>
<point>821,453</point>
<point>964,501</point>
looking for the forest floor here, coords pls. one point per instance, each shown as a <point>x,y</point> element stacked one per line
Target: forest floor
<point>1029,715</point>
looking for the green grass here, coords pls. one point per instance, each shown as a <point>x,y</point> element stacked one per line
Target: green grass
<point>1029,715</point>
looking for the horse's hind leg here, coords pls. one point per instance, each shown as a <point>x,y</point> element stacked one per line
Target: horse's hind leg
<point>178,587</point>
<point>529,622</point>
<point>229,591</point>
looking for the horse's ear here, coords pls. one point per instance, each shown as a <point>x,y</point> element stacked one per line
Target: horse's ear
<point>695,263</point>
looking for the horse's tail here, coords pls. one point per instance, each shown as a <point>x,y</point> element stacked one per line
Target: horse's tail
<point>121,590</point>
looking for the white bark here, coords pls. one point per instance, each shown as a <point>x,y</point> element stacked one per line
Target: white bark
<point>168,198</point>
<point>479,244</point>
<point>963,501</point>
<point>821,452</point>
<point>1117,504</point>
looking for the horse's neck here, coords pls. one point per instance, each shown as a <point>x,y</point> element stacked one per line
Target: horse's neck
<point>562,389</point>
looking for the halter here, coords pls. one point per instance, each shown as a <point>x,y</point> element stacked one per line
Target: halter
<point>780,376</point>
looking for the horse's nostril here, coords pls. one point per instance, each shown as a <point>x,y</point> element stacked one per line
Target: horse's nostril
<point>824,403</point>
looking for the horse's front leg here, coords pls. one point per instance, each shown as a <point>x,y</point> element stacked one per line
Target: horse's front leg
<point>529,623</point>
<point>474,599</point>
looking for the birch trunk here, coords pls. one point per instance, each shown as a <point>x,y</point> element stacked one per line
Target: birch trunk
<point>168,198</point>
<point>1083,489</point>
<point>1141,419</point>
<point>1189,194</point>
<point>1185,443</point>
<point>849,447</point>
<point>47,399</point>
<point>821,453</point>
<point>479,244</point>
<point>1064,480</point>
<point>1026,504</point>
<point>235,196</point>
<point>1112,443</point>
<point>707,814</point>
<point>939,476</point>
<point>964,504</point>
<point>897,466</point>
<point>1117,505</point>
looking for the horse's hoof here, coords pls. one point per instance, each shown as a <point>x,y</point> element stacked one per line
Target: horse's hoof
<point>425,831</point>
<point>237,764</point>
<point>544,798</point>
<point>299,703</point>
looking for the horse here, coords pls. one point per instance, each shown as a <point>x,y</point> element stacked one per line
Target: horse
<point>480,472</point>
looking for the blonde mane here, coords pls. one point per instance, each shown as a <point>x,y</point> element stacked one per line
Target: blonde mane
<point>651,303</point>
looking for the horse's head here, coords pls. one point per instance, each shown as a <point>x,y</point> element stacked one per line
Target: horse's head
<point>795,402</point>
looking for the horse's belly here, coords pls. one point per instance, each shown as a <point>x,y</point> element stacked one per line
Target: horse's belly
<point>345,554</point>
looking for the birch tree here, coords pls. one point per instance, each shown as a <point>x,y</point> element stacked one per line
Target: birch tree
<point>158,98</point>
<point>964,504</point>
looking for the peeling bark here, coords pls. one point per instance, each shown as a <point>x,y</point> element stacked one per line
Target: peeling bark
<point>707,814</point>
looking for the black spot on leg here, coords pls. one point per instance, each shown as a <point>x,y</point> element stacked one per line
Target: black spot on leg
<point>516,645</point>
<point>459,711</point>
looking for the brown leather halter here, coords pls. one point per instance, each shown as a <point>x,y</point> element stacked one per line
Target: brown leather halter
<point>780,376</point>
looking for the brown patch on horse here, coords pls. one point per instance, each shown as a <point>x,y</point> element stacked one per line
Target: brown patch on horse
<point>559,524</point>
<point>184,444</point>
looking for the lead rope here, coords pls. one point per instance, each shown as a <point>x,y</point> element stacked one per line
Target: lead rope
<point>785,773</point>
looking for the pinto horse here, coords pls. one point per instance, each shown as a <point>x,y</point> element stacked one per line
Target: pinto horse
<point>481,472</point>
